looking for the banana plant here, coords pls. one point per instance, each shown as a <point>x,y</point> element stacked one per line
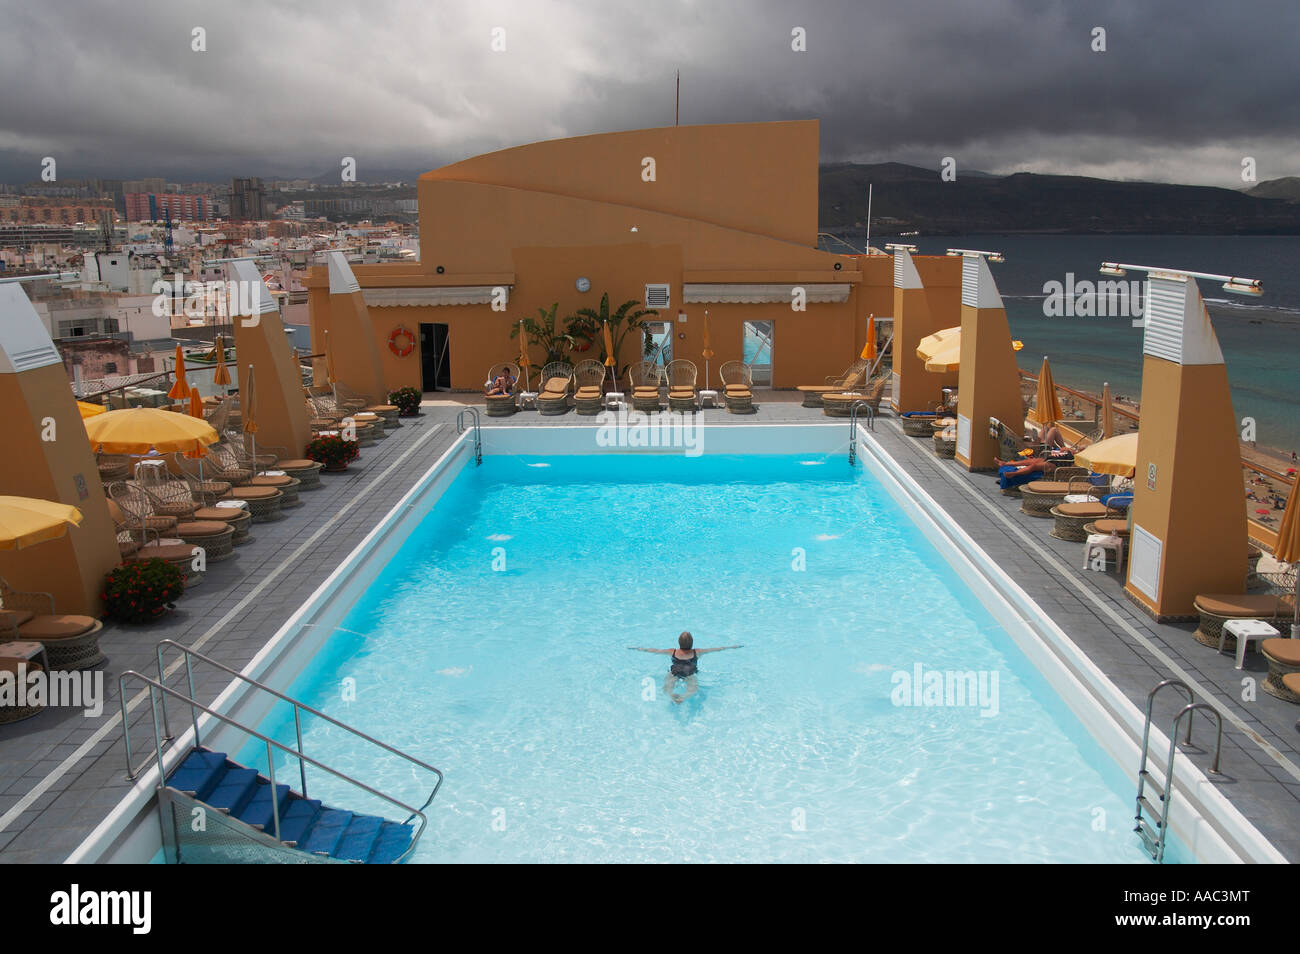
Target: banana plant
<point>541,331</point>
<point>626,318</point>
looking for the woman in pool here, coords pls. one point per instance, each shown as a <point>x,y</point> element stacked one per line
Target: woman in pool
<point>683,666</point>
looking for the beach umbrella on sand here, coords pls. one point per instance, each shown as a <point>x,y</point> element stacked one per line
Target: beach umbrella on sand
<point>1047,406</point>
<point>1288,549</point>
<point>1107,412</point>
<point>25,521</point>
<point>524,361</point>
<point>221,377</point>
<point>707,353</point>
<point>180,387</point>
<point>1117,456</point>
<point>610,361</point>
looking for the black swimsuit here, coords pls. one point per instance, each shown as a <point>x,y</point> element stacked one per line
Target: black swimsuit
<point>685,667</point>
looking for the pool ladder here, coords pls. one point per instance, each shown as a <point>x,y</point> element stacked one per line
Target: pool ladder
<point>853,426</point>
<point>461,427</point>
<point>1151,818</point>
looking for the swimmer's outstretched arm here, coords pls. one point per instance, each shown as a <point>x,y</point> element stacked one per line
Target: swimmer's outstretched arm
<point>718,649</point>
<point>643,649</point>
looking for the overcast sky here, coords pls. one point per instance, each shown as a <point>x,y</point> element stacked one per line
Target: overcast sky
<point>1184,90</point>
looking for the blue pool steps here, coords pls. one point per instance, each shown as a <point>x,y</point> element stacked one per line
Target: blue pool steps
<point>305,824</point>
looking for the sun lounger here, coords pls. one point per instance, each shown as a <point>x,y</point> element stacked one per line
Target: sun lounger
<point>645,378</point>
<point>850,380</point>
<point>1038,497</point>
<point>1215,609</point>
<point>589,387</point>
<point>1071,519</point>
<point>738,382</point>
<point>71,642</point>
<point>682,395</point>
<point>502,405</point>
<point>554,395</point>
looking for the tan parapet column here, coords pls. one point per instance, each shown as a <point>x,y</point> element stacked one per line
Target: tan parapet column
<point>989,381</point>
<point>917,314</point>
<point>352,334</point>
<point>1189,526</point>
<point>48,456</point>
<point>260,340</point>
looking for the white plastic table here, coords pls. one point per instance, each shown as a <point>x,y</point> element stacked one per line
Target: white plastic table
<point>1104,541</point>
<point>710,396</point>
<point>527,399</point>
<point>614,399</point>
<point>1245,630</point>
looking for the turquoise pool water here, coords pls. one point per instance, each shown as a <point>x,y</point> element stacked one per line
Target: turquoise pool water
<point>494,646</point>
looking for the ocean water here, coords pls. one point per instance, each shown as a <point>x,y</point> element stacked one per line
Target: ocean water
<point>1260,337</point>
<point>495,645</point>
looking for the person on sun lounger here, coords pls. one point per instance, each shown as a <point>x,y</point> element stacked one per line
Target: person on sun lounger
<point>504,385</point>
<point>683,666</point>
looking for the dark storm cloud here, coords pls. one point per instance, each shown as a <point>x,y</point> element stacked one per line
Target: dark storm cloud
<point>1183,91</point>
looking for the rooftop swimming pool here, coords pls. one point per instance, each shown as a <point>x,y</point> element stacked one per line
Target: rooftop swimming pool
<point>877,711</point>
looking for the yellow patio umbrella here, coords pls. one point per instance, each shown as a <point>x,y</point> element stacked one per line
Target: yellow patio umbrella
<point>90,410</point>
<point>221,377</point>
<point>943,340</point>
<point>869,349</point>
<point>1047,406</point>
<point>143,430</point>
<point>180,387</point>
<point>1287,549</point>
<point>947,359</point>
<point>1107,412</point>
<point>524,361</point>
<point>611,362</point>
<point>707,353</point>
<point>25,521</point>
<point>1117,456</point>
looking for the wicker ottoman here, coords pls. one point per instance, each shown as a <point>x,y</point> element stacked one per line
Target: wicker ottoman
<point>1071,518</point>
<point>389,412</point>
<point>646,400</point>
<point>12,712</point>
<point>376,423</point>
<point>840,404</point>
<point>1215,609</point>
<point>282,482</point>
<point>501,405</point>
<point>918,425</point>
<point>1283,657</point>
<point>216,537</point>
<point>945,443</point>
<point>740,399</point>
<point>307,472</point>
<point>683,399</point>
<point>176,552</point>
<point>263,502</point>
<point>589,400</point>
<point>236,518</point>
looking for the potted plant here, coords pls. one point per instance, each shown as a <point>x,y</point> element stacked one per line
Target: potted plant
<point>406,400</point>
<point>590,322</point>
<point>333,451</point>
<point>541,331</point>
<point>142,591</point>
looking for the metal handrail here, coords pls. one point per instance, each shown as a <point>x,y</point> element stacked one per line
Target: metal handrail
<point>853,426</point>
<point>153,685</point>
<point>189,653</point>
<point>478,435</point>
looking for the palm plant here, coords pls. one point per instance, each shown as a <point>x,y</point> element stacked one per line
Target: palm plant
<point>541,331</point>
<point>588,323</point>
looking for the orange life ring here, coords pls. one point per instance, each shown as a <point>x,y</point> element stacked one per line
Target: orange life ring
<point>401,334</point>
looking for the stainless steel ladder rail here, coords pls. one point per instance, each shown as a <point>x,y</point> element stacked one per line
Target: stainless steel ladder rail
<point>155,687</point>
<point>853,426</point>
<point>461,427</point>
<point>298,708</point>
<point>1146,810</point>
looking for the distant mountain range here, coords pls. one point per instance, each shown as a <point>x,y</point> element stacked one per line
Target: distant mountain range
<point>908,198</point>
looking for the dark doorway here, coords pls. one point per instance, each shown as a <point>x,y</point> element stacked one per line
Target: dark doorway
<point>435,357</point>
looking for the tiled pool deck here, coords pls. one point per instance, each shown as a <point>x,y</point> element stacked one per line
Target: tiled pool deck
<point>62,772</point>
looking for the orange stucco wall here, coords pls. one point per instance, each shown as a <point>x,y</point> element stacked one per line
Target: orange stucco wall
<point>988,383</point>
<point>71,568</point>
<point>282,420</point>
<point>733,204</point>
<point>919,312</point>
<point>1189,433</point>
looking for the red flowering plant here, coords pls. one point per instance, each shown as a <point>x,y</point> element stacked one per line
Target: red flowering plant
<point>141,591</point>
<point>333,451</point>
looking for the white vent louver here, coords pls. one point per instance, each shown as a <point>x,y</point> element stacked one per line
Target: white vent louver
<point>24,342</point>
<point>657,296</point>
<point>1178,327</point>
<point>970,281</point>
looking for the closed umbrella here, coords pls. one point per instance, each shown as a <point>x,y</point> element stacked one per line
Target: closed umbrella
<point>329,369</point>
<point>1107,412</point>
<point>180,387</point>
<point>610,361</point>
<point>869,349</point>
<point>25,521</point>
<point>1117,456</point>
<point>1288,549</point>
<point>221,377</point>
<point>1047,407</point>
<point>524,362</point>
<point>707,353</point>
<point>248,408</point>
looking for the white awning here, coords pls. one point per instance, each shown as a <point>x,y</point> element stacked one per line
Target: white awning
<point>446,295</point>
<point>756,293</point>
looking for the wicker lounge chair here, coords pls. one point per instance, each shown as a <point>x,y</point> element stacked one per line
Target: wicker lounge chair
<point>502,405</point>
<point>72,642</point>
<point>1215,609</point>
<point>131,509</point>
<point>112,467</point>
<point>840,404</point>
<point>589,387</point>
<point>738,383</point>
<point>207,491</point>
<point>554,395</point>
<point>1038,497</point>
<point>682,394</point>
<point>645,379</point>
<point>1072,519</point>
<point>11,711</point>
<point>850,380</point>
<point>1010,443</point>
